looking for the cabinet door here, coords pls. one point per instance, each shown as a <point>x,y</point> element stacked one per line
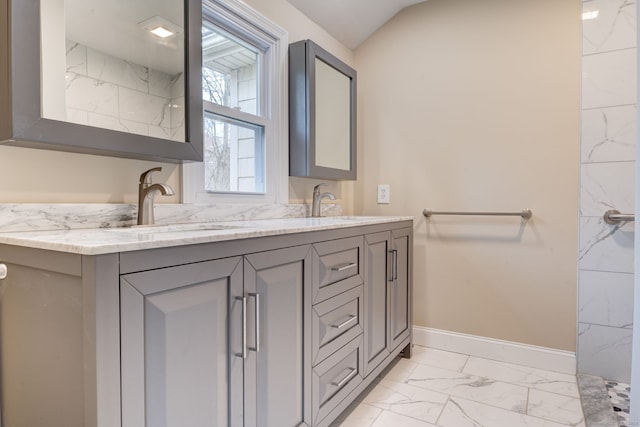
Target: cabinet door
<point>278,365</point>
<point>400,287</point>
<point>179,363</point>
<point>376,300</point>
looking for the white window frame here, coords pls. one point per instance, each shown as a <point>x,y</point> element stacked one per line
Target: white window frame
<point>246,20</point>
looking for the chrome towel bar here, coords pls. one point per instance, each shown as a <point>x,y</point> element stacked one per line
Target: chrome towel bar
<point>614,217</point>
<point>524,213</point>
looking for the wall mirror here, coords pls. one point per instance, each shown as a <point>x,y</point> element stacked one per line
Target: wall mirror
<point>322,114</point>
<point>116,77</point>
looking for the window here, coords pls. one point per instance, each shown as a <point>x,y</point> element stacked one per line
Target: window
<point>243,79</point>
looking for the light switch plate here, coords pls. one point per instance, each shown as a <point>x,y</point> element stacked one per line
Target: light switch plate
<point>384,194</point>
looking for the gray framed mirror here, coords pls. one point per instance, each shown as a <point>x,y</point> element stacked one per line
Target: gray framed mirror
<point>119,78</point>
<point>322,114</point>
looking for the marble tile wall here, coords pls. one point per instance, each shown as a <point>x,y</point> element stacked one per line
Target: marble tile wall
<point>109,92</point>
<point>605,287</point>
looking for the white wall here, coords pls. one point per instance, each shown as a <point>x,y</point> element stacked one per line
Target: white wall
<point>467,105</point>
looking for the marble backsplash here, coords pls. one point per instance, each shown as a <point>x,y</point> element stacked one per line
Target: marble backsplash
<point>63,216</point>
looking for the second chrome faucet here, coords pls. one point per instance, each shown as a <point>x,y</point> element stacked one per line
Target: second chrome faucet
<point>146,192</point>
<point>317,199</point>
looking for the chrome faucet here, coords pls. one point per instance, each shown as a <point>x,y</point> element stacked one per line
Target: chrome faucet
<point>146,193</point>
<point>317,199</point>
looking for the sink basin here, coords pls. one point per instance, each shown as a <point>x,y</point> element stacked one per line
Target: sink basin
<point>344,218</point>
<point>172,228</point>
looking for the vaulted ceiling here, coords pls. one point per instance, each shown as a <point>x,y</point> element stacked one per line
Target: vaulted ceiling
<point>351,21</point>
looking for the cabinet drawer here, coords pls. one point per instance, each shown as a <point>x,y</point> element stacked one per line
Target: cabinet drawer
<point>335,378</point>
<point>336,321</point>
<point>337,267</point>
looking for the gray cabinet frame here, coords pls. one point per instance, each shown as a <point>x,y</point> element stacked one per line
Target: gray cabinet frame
<point>226,275</point>
<point>21,123</point>
<point>302,112</point>
<point>277,372</point>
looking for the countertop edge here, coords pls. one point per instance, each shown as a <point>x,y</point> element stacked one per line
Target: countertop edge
<point>108,240</point>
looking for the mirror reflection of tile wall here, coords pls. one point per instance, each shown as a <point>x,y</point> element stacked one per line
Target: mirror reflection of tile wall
<point>112,93</point>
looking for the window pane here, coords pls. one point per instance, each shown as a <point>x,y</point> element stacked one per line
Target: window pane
<point>234,156</point>
<point>230,70</point>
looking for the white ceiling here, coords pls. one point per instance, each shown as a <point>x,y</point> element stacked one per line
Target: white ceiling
<point>351,21</point>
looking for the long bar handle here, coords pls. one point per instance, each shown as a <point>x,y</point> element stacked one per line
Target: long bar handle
<point>614,216</point>
<point>524,213</point>
<point>243,354</point>
<point>394,265</point>
<point>351,318</point>
<point>345,267</point>
<point>346,379</point>
<point>256,321</point>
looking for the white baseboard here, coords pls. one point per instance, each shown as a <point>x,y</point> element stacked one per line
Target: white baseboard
<point>490,348</point>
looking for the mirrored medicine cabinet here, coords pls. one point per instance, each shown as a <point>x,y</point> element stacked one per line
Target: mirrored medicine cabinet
<point>119,77</point>
<point>322,114</point>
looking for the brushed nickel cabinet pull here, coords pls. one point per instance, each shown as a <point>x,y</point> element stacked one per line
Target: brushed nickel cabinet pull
<point>243,354</point>
<point>256,322</point>
<point>351,318</point>
<point>394,266</point>
<point>345,267</point>
<point>346,379</point>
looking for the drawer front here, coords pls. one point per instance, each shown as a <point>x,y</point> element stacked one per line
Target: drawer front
<point>335,378</point>
<point>336,321</point>
<point>337,267</point>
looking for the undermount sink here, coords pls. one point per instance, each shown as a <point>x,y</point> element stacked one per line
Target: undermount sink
<point>173,228</point>
<point>345,218</point>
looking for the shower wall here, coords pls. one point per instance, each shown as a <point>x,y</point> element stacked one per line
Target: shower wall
<point>607,170</point>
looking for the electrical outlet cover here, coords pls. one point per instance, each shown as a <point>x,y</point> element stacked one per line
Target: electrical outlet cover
<point>384,194</point>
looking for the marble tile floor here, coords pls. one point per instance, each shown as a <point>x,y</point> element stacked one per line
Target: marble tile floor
<point>445,389</point>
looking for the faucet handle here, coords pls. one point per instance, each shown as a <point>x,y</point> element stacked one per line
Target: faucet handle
<point>145,177</point>
<point>316,189</point>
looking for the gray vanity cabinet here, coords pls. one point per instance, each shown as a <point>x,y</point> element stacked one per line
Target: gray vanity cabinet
<point>376,310</point>
<point>399,286</point>
<point>387,295</point>
<point>274,331</point>
<point>219,343</point>
<point>180,333</point>
<point>277,368</point>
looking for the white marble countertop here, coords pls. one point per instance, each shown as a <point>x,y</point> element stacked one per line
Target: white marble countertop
<point>96,241</point>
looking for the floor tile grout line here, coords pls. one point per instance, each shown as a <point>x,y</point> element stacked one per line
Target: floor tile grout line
<point>442,410</point>
<point>464,365</point>
<point>528,385</point>
<point>373,421</point>
<point>517,384</point>
<point>561,374</point>
<point>524,412</point>
<point>470,399</point>
<point>410,416</point>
